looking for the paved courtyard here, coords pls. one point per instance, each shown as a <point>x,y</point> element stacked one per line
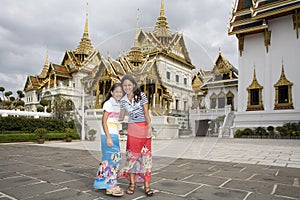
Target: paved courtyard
<point>190,168</point>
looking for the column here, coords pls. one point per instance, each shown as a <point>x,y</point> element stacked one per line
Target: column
<point>97,105</point>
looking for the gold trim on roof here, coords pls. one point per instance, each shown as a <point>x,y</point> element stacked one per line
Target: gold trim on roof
<point>296,22</point>
<point>267,38</point>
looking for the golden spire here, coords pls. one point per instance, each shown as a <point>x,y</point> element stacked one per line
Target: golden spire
<point>162,8</point>
<point>47,59</point>
<point>137,28</point>
<point>85,46</point>
<point>135,54</point>
<point>161,28</point>
<point>86,28</point>
<point>45,68</point>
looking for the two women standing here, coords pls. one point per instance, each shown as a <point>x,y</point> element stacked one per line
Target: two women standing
<point>138,166</point>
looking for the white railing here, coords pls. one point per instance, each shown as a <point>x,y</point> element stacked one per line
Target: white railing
<point>207,111</point>
<point>17,113</point>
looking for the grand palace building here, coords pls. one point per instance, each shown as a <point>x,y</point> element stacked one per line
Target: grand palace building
<point>262,90</point>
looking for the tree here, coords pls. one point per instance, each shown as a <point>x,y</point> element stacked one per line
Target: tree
<point>20,94</point>
<point>7,94</point>
<point>44,103</point>
<point>59,107</point>
<point>2,89</point>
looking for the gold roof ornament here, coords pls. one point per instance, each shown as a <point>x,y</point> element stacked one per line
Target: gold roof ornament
<point>161,28</point>
<point>85,46</point>
<point>135,54</point>
<point>254,84</point>
<point>45,68</point>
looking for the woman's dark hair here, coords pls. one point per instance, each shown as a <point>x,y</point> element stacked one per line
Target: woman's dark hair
<point>136,90</point>
<point>112,88</point>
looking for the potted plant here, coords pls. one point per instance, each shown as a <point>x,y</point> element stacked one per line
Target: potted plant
<point>69,134</point>
<point>92,134</point>
<point>41,132</point>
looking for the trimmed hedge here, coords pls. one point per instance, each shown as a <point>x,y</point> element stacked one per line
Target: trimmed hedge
<point>29,125</point>
<point>286,131</point>
<point>31,137</point>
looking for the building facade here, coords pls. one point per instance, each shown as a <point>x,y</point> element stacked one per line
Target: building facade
<point>269,50</point>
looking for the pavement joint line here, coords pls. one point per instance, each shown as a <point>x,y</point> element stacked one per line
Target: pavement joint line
<point>225,182</point>
<point>187,177</point>
<point>183,164</point>
<point>243,169</point>
<point>213,173</point>
<point>7,196</point>
<point>296,182</point>
<point>192,190</point>
<point>274,189</point>
<point>286,197</point>
<point>247,195</point>
<point>58,190</point>
<point>211,167</point>
<point>68,181</point>
<point>250,177</point>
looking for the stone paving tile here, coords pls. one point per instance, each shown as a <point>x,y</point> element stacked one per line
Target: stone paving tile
<point>251,186</point>
<point>65,194</point>
<point>273,179</point>
<point>288,191</point>
<point>83,184</point>
<point>175,187</point>
<point>254,196</point>
<point>20,167</point>
<point>206,180</point>
<point>8,174</point>
<point>30,190</point>
<point>16,182</point>
<point>233,175</point>
<point>216,193</point>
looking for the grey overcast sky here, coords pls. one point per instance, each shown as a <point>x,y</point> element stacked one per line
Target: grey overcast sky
<point>28,29</point>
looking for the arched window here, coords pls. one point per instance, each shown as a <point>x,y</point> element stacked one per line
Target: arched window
<point>283,93</point>
<point>221,100</point>
<point>254,95</point>
<point>230,99</point>
<point>213,101</point>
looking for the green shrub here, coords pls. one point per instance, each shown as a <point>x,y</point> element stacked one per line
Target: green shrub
<point>27,137</point>
<point>41,132</point>
<point>271,130</point>
<point>238,133</point>
<point>260,131</point>
<point>248,131</point>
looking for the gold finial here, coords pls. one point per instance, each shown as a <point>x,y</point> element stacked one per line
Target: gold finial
<point>136,27</point>
<point>86,28</point>
<point>47,60</point>
<point>162,8</point>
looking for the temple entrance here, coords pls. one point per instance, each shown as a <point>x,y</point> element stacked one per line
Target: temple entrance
<point>201,127</point>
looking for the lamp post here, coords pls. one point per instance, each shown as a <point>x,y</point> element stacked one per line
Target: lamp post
<point>82,115</point>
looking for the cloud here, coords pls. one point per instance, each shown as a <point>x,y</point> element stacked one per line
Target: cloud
<point>28,29</point>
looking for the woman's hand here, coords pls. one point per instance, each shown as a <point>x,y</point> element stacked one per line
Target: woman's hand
<point>109,142</point>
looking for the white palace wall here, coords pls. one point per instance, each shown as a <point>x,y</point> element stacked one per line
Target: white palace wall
<point>283,49</point>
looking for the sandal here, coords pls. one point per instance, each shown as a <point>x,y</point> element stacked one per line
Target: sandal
<point>130,189</point>
<point>149,191</point>
<point>115,191</point>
